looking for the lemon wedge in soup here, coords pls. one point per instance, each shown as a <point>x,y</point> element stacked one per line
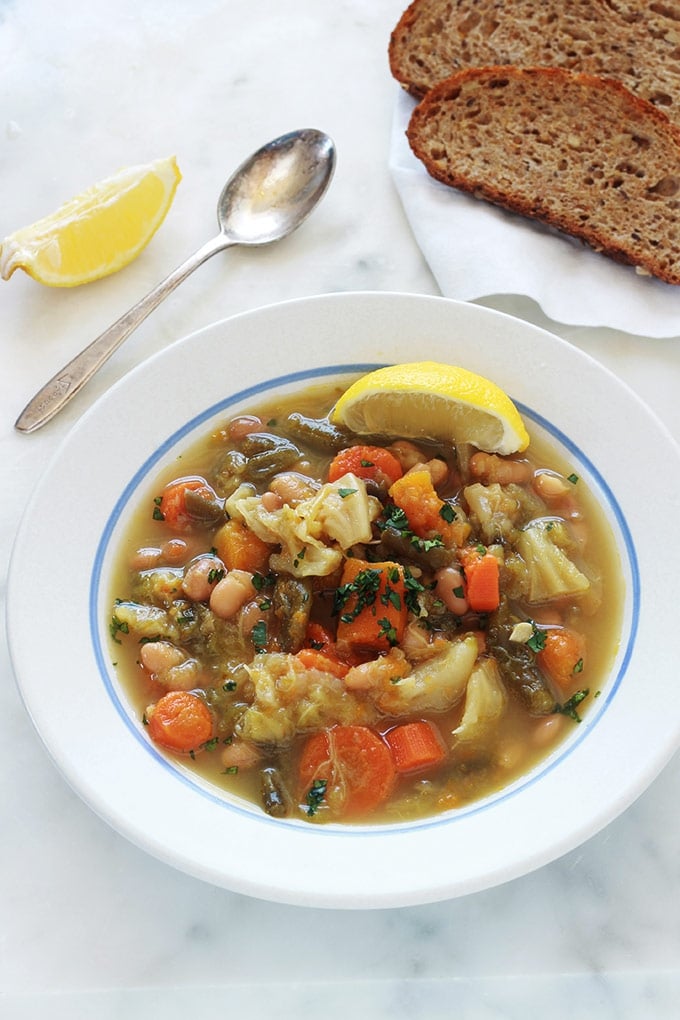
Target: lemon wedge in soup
<point>96,233</point>
<point>428,400</point>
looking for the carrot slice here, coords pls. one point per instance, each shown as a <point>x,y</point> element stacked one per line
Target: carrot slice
<point>180,721</point>
<point>371,602</point>
<point>562,655</point>
<point>347,770</point>
<point>482,576</point>
<point>372,462</point>
<point>319,637</point>
<point>428,515</point>
<point>324,661</point>
<point>416,746</point>
<point>239,548</point>
<point>171,507</point>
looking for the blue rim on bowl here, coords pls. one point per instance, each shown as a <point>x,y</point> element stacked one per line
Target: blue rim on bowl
<point>82,716</point>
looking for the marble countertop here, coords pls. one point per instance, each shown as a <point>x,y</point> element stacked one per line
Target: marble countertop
<point>91,926</point>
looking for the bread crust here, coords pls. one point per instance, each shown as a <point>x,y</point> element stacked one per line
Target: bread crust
<point>621,39</point>
<point>573,150</point>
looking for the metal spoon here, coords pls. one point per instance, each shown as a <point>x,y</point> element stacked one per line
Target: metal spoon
<point>263,201</point>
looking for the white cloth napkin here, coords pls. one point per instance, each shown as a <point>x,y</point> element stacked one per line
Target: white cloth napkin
<point>475,250</point>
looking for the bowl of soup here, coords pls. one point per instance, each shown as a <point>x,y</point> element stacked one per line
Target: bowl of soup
<point>351,668</point>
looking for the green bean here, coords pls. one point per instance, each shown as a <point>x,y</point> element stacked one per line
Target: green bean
<point>266,455</point>
<point>292,600</point>
<point>274,797</point>
<point>319,433</point>
<point>204,510</point>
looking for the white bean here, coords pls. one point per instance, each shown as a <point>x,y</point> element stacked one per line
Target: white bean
<point>201,577</point>
<point>490,468</point>
<point>159,656</point>
<point>547,730</point>
<point>293,487</point>
<point>550,486</point>
<point>271,501</point>
<point>251,615</point>
<point>175,550</point>
<point>239,755</point>
<point>232,592</point>
<point>243,425</point>
<point>449,588</point>
<point>144,559</point>
<point>406,453</point>
<point>436,468</point>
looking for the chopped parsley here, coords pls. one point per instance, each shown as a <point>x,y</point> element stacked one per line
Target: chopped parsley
<point>365,587</point>
<point>390,597</point>
<point>230,685</point>
<point>448,513</point>
<point>344,493</point>
<point>215,575</point>
<point>158,514</point>
<point>117,627</point>
<point>570,706</point>
<point>413,589</point>
<point>387,631</point>
<point>578,666</point>
<point>261,581</point>
<point>315,795</point>
<point>572,478</point>
<point>231,771</point>
<point>394,517</point>
<point>538,638</point>
<point>259,635</point>
<point>366,463</point>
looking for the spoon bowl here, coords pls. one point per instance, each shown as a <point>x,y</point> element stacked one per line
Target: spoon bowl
<point>266,199</point>
<point>276,188</point>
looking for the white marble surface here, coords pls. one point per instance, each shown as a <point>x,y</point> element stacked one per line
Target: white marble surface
<point>90,926</point>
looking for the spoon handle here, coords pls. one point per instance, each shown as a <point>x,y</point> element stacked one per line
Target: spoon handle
<point>63,386</point>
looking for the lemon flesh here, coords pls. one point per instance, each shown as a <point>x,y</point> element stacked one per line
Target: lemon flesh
<point>97,232</point>
<point>428,400</point>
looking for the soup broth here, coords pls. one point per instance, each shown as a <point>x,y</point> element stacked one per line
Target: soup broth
<point>375,635</point>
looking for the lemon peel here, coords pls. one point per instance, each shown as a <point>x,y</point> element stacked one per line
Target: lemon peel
<point>98,232</point>
<point>429,400</point>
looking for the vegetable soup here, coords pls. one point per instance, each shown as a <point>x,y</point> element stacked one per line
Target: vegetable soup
<point>352,628</point>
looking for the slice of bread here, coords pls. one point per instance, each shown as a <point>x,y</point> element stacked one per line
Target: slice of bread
<point>573,150</point>
<point>638,44</point>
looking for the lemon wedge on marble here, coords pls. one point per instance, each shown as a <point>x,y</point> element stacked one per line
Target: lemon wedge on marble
<point>428,400</point>
<point>98,232</point>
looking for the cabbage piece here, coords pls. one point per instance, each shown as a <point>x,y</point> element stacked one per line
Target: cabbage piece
<point>485,701</point>
<point>159,585</point>
<point>434,685</point>
<point>499,510</point>
<point>344,511</point>
<point>145,621</point>
<point>291,699</point>
<point>302,554</point>
<point>551,574</point>
<point>495,509</point>
<point>419,642</point>
<point>312,534</point>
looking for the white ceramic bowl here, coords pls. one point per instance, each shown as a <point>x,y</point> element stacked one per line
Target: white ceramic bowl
<point>59,641</point>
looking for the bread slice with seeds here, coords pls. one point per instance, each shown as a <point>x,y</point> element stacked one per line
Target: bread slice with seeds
<point>638,44</point>
<point>576,151</point>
